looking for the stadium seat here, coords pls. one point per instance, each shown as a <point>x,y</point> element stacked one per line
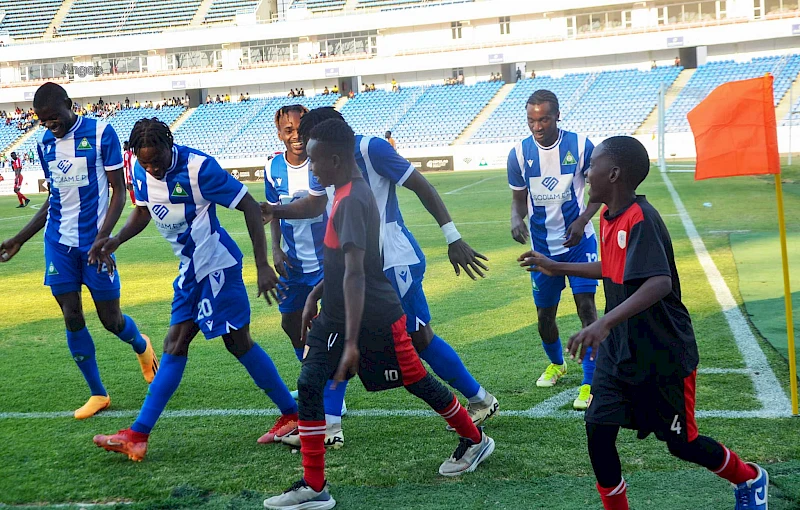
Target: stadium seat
<point>96,17</point>
<point>28,18</point>
<point>225,10</point>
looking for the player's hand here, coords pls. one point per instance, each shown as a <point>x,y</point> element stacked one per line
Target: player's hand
<point>268,284</point>
<point>310,312</point>
<point>535,261</point>
<point>281,261</point>
<point>266,212</point>
<point>463,256</point>
<point>348,364</point>
<point>103,249</point>
<point>519,231</point>
<point>9,248</point>
<point>574,233</point>
<point>590,336</point>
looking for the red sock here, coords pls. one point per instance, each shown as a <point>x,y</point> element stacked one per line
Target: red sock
<point>312,446</point>
<point>734,470</point>
<point>21,198</point>
<point>615,498</point>
<point>458,418</point>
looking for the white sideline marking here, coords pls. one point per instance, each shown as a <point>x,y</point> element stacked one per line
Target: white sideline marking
<point>768,390</point>
<point>470,185</point>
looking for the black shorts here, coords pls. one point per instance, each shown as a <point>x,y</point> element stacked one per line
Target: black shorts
<point>388,359</point>
<point>661,405</point>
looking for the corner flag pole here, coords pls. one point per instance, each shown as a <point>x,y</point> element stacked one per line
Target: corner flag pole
<point>787,295</point>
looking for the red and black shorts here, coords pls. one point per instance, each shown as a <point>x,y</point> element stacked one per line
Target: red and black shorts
<point>661,405</point>
<point>388,359</point>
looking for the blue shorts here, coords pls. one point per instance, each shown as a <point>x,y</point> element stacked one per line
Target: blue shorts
<point>218,304</point>
<point>67,268</point>
<point>298,287</point>
<point>547,289</point>
<point>407,282</point>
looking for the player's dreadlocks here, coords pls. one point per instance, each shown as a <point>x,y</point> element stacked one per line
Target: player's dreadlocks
<point>338,134</point>
<point>151,133</point>
<point>629,154</point>
<point>314,117</point>
<point>286,110</point>
<point>542,96</point>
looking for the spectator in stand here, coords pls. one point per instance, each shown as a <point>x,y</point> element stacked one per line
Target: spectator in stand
<point>335,89</point>
<point>227,98</point>
<point>291,93</point>
<point>127,103</point>
<point>241,97</point>
<point>677,61</point>
<point>325,92</point>
<point>208,99</point>
<point>217,99</point>
<point>391,140</point>
<point>247,96</point>
<point>491,78</point>
<point>372,87</point>
<point>394,85</point>
<point>366,88</point>
<point>519,74</point>
<point>137,105</point>
<point>461,78</point>
<point>653,64</point>
<point>351,94</point>
<point>101,103</point>
<point>302,92</point>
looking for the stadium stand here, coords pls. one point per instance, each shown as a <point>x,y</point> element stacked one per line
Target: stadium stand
<point>30,144</point>
<point>225,10</point>
<point>105,17</point>
<point>18,19</point>
<point>320,5</point>
<point>388,5</point>
<point>709,76</point>
<point>9,134</point>
<point>793,114</point>
<point>441,113</point>
<point>373,113</point>
<point>507,123</point>
<point>618,102</point>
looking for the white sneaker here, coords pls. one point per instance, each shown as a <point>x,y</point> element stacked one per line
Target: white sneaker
<point>334,437</point>
<point>467,456</point>
<point>301,497</point>
<point>481,411</point>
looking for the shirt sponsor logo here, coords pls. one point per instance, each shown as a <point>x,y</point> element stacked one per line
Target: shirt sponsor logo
<point>549,190</point>
<point>69,172</point>
<point>160,211</point>
<point>169,219</point>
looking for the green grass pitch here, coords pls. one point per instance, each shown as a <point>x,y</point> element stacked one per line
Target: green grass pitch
<point>212,461</point>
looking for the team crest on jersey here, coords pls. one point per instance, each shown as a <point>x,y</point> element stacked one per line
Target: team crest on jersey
<point>84,145</point>
<point>51,269</point>
<point>622,239</point>
<point>569,159</point>
<point>178,191</point>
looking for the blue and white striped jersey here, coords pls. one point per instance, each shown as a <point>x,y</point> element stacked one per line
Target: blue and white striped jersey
<point>183,207</point>
<point>75,167</point>
<point>384,169</point>
<point>300,239</point>
<point>555,178</point>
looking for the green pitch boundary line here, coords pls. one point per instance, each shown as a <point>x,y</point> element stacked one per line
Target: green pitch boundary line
<point>768,390</point>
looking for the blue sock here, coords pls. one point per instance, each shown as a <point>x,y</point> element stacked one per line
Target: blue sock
<point>555,352</point>
<point>334,399</point>
<point>130,335</point>
<point>168,377</point>
<point>298,351</point>
<point>81,347</point>
<point>588,367</point>
<point>445,363</point>
<point>261,368</point>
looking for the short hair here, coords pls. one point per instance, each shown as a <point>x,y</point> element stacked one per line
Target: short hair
<point>336,133</point>
<point>317,116</point>
<point>542,96</point>
<point>50,94</point>
<point>388,133</point>
<point>286,110</point>
<point>151,133</point>
<point>629,154</point>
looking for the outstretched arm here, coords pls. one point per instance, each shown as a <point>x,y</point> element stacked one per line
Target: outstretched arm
<point>267,279</point>
<point>10,247</point>
<point>460,253</point>
<point>309,206</point>
<point>535,261</point>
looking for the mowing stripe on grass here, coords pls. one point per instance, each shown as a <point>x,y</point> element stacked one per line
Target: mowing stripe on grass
<point>768,390</point>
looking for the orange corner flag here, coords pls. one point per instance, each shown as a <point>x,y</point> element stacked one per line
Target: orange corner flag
<point>735,131</point>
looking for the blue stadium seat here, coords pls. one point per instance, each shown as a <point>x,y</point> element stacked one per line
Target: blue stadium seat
<point>225,10</point>
<point>98,17</point>
<point>28,18</point>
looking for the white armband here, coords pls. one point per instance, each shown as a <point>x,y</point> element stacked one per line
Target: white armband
<point>450,232</point>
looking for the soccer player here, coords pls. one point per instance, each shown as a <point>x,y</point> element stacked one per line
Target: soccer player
<point>362,326</point>
<point>546,173</point>
<point>403,261</point>
<point>127,164</point>
<point>297,255</point>
<point>646,351</point>
<point>80,157</point>
<point>16,165</point>
<point>179,188</point>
